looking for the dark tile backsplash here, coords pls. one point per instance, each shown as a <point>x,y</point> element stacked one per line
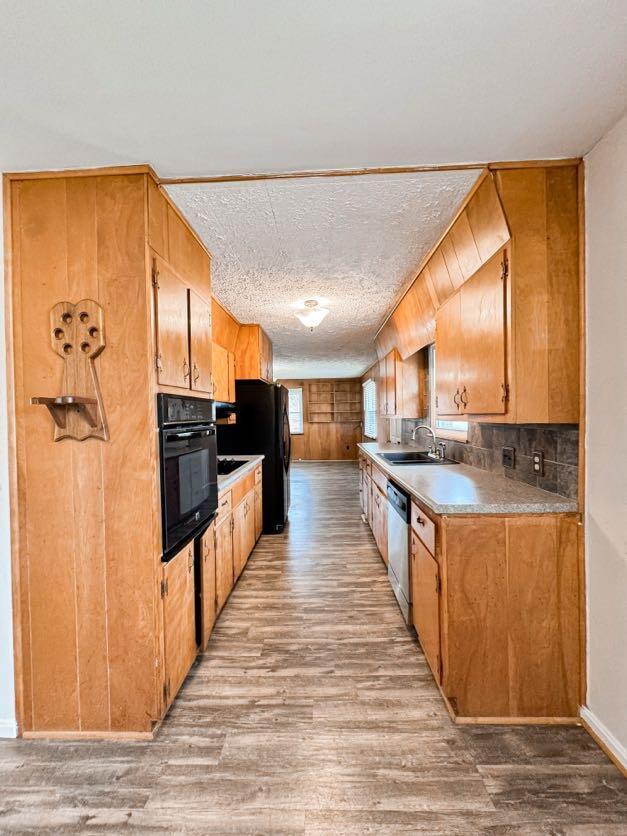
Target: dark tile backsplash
<point>559,443</point>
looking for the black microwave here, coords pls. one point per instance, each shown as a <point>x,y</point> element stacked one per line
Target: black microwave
<point>189,469</point>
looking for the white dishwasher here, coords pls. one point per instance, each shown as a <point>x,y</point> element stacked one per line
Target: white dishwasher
<point>398,547</point>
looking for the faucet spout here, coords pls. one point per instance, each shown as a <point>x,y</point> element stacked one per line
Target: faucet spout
<point>433,449</point>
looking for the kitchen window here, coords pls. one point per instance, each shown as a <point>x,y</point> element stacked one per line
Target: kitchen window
<point>295,410</point>
<point>370,408</point>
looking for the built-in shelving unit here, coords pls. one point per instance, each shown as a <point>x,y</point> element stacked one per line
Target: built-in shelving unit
<point>334,401</point>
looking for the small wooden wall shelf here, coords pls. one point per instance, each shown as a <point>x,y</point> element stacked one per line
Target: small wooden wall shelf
<point>77,334</point>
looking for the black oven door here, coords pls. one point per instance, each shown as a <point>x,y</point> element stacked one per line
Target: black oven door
<point>189,483</point>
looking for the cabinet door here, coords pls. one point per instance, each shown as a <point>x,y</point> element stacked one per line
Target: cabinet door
<point>200,342</point>
<point>448,354</point>
<point>220,373</point>
<point>239,538</point>
<point>208,577</point>
<point>383,526</point>
<point>258,511</point>
<point>425,583</point>
<point>179,622</point>
<point>483,336</point>
<point>172,323</point>
<point>224,560</point>
<point>266,357</point>
<point>390,383</point>
<point>230,360</point>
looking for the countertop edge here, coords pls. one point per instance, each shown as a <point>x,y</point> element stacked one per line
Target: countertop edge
<point>231,478</point>
<point>567,506</point>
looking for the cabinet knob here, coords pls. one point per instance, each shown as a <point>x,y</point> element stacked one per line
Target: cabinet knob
<point>420,520</point>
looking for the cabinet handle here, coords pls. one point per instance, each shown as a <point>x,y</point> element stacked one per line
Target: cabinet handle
<point>420,520</point>
<point>461,397</point>
<point>185,368</point>
<point>455,396</point>
<point>196,372</point>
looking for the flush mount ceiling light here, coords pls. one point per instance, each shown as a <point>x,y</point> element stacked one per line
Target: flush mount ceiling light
<point>313,314</point>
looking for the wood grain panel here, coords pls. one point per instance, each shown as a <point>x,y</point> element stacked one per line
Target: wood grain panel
<point>47,559</point>
<point>465,246</point>
<point>487,220</point>
<point>224,326</point>
<point>187,257</point>
<point>476,586</point>
<point>157,219</point>
<point>440,276</point>
<point>543,613</point>
<point>456,275</point>
<point>129,508</point>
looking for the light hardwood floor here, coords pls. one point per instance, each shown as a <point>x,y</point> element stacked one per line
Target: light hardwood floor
<point>313,711</point>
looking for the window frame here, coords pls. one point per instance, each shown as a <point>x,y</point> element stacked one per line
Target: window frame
<point>302,409</point>
<point>370,382</point>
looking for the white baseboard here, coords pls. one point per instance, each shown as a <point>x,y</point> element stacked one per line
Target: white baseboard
<point>8,728</point>
<point>613,745</point>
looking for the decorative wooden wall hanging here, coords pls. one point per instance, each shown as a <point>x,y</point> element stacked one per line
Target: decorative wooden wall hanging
<point>78,337</point>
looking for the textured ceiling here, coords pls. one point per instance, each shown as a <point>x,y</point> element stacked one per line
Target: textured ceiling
<point>353,242</point>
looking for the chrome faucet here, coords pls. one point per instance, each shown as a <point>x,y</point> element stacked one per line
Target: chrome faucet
<point>433,449</point>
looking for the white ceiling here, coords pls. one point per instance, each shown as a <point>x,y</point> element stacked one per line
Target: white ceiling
<point>208,86</point>
<point>354,242</point>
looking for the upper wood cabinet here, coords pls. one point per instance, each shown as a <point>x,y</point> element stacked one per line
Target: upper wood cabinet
<point>223,365</point>
<point>200,342</point>
<point>172,362</point>
<point>253,354</point>
<point>179,623</point>
<point>470,345</point>
<point>403,386</point>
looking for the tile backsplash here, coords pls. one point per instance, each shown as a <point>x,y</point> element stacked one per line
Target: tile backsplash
<point>558,442</point>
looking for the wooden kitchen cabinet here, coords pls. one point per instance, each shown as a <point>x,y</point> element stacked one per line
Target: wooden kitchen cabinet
<point>425,587</point>
<point>200,342</point>
<point>258,503</point>
<point>380,521</point>
<point>390,382</point>
<point>470,345</point>
<point>224,558</point>
<point>173,367</point>
<point>253,354</point>
<point>179,620</point>
<point>208,582</point>
<point>243,532</point>
<point>223,372</point>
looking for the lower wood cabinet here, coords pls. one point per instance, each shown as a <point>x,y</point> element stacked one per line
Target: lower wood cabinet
<point>380,521</point>
<point>208,581</point>
<point>425,593</point>
<point>179,622</point>
<point>224,559</point>
<point>243,532</point>
<point>258,502</point>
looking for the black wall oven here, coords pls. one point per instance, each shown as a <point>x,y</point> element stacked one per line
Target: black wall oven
<point>189,469</point>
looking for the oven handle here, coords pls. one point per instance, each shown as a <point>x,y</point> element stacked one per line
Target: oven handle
<point>190,434</point>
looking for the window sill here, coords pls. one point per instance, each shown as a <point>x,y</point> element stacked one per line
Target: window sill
<point>453,435</point>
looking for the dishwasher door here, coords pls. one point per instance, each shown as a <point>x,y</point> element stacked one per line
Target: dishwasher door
<point>398,547</point>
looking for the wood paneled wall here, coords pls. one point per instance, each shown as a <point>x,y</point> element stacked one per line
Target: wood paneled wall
<point>87,512</point>
<point>320,442</point>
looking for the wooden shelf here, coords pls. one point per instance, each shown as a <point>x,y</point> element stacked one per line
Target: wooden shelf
<point>338,402</point>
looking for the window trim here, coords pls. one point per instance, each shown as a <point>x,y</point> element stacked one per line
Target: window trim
<point>302,409</point>
<point>370,381</point>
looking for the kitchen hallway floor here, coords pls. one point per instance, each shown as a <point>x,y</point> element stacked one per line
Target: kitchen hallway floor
<point>313,711</point>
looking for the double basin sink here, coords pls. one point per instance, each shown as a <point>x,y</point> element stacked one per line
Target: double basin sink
<point>414,458</point>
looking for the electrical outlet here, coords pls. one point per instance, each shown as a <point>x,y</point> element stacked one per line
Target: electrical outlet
<point>509,457</point>
<point>537,462</point>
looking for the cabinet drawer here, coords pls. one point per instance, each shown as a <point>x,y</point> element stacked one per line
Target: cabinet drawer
<point>380,480</point>
<point>423,526</point>
<point>224,505</point>
<point>242,487</point>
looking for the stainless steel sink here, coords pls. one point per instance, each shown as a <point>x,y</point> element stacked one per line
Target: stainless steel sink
<point>414,458</point>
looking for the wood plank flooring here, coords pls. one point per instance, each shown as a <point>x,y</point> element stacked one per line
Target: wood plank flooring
<point>313,711</point>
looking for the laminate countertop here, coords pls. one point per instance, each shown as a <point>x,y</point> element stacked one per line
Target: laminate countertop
<point>461,489</point>
<point>249,463</point>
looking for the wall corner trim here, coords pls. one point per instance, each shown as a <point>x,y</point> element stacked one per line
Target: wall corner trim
<point>612,747</point>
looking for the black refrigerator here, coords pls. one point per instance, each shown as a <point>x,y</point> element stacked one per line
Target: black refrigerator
<point>262,426</point>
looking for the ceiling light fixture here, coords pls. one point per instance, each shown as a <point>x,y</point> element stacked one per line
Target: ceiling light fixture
<point>313,315</point>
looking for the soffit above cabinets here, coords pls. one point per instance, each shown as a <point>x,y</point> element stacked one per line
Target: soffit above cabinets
<point>355,242</point>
